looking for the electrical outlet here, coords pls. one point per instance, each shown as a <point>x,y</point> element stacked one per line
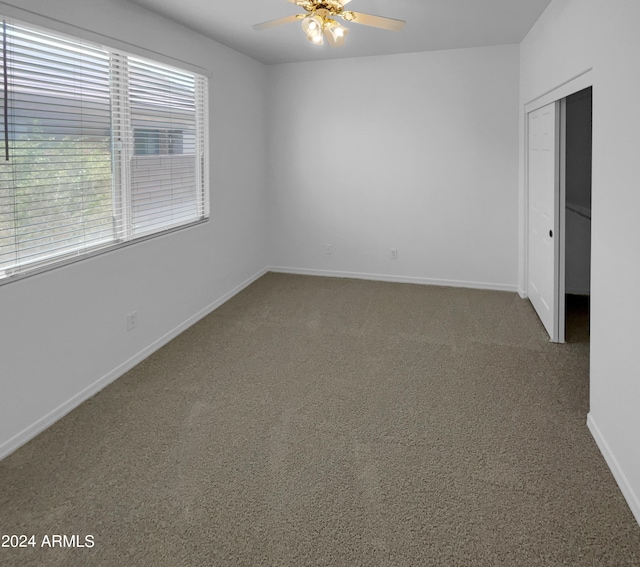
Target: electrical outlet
<point>132,320</point>
<point>394,253</point>
<point>328,249</point>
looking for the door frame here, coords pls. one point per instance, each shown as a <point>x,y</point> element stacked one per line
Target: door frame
<point>558,94</point>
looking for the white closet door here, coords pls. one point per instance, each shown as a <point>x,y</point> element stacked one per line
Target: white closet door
<point>543,181</point>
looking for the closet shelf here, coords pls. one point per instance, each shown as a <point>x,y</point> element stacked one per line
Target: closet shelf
<point>579,210</point>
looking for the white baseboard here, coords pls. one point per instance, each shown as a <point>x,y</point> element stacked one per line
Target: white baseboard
<point>625,486</point>
<point>394,278</point>
<point>43,423</point>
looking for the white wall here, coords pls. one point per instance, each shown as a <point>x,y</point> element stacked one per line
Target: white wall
<point>62,333</point>
<point>571,36</point>
<point>416,152</point>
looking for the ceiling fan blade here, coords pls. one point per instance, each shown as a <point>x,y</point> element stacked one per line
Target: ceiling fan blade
<point>276,22</point>
<point>374,21</point>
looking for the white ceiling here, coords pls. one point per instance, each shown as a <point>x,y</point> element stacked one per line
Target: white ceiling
<point>431,25</point>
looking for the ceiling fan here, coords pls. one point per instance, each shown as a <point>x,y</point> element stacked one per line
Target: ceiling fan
<point>319,21</point>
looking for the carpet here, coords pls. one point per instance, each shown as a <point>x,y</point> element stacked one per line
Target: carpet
<point>320,421</point>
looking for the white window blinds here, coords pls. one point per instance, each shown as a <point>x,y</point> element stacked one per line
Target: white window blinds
<point>99,148</point>
<point>164,176</point>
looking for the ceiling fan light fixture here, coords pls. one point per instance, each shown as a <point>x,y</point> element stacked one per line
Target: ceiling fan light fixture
<point>316,39</point>
<point>335,33</point>
<point>312,27</point>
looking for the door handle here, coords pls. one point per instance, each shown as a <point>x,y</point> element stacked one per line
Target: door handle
<point>551,234</point>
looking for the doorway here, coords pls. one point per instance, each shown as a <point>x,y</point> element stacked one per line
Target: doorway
<point>578,111</point>
<point>559,150</point>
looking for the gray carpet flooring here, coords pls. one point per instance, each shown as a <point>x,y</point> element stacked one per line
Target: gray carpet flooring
<point>317,421</point>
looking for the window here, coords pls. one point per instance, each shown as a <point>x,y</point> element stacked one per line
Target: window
<point>99,148</point>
